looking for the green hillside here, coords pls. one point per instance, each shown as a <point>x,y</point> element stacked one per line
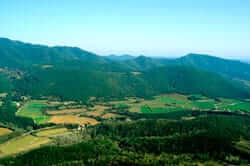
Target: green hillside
<point>5,83</point>
<point>190,80</point>
<point>230,68</point>
<point>72,73</point>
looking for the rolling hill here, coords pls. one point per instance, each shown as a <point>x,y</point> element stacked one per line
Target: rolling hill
<point>73,73</point>
<point>120,57</point>
<point>228,68</point>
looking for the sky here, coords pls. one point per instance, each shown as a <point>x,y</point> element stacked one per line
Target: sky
<point>139,27</point>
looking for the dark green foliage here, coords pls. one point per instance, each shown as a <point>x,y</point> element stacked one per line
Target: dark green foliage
<point>15,54</point>
<point>76,74</point>
<point>230,68</point>
<point>81,84</point>
<point>219,124</point>
<point>135,143</point>
<point>77,84</point>
<point>191,81</point>
<point>5,83</point>
<point>8,117</point>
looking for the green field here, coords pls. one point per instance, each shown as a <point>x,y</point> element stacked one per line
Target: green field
<point>121,105</point>
<point>178,102</point>
<point>205,105</point>
<point>21,144</point>
<point>26,142</point>
<point>35,111</point>
<point>147,110</point>
<point>236,106</point>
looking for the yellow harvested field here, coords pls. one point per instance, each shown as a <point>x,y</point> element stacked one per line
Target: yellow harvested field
<point>100,108</point>
<point>70,119</point>
<point>53,103</point>
<point>95,113</point>
<point>4,131</point>
<point>51,132</point>
<point>22,144</point>
<point>110,115</point>
<point>176,95</point>
<point>66,111</point>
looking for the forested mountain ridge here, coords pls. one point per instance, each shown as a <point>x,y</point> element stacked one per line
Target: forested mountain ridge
<point>73,73</point>
<point>16,54</point>
<point>120,57</point>
<point>229,68</point>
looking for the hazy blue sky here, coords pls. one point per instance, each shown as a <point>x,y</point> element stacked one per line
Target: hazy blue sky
<point>149,27</point>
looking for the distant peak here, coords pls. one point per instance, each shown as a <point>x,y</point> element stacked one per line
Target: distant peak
<point>196,55</point>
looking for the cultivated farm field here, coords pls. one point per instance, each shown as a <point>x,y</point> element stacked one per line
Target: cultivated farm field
<point>34,110</point>
<point>21,144</point>
<point>178,102</point>
<point>4,131</point>
<point>29,141</point>
<point>70,119</point>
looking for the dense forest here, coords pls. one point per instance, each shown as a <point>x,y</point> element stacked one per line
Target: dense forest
<point>71,73</point>
<point>150,142</point>
<point>8,117</point>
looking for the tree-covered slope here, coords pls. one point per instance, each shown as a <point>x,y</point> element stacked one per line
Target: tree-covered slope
<point>5,83</point>
<point>72,73</point>
<point>149,142</point>
<point>190,80</point>
<point>80,84</point>
<point>16,54</point>
<point>229,68</point>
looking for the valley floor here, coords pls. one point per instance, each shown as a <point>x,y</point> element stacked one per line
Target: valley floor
<point>61,123</point>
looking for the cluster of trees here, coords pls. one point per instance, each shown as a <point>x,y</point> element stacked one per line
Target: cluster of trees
<point>8,117</point>
<point>150,142</point>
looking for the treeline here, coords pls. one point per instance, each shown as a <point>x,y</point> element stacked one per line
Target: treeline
<point>227,126</point>
<point>150,142</point>
<point>81,84</point>
<point>8,117</point>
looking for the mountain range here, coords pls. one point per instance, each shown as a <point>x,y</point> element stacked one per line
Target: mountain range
<point>73,73</point>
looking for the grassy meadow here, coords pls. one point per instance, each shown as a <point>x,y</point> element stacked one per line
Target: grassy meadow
<point>178,102</point>
<point>29,141</point>
<point>34,110</point>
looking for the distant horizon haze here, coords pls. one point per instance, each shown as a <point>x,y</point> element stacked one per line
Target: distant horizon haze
<point>144,27</point>
<point>170,56</point>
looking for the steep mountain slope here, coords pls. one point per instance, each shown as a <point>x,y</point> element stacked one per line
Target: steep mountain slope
<point>229,68</point>
<point>5,83</point>
<point>16,54</point>
<point>190,80</point>
<point>79,84</point>
<point>143,63</point>
<point>72,73</point>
